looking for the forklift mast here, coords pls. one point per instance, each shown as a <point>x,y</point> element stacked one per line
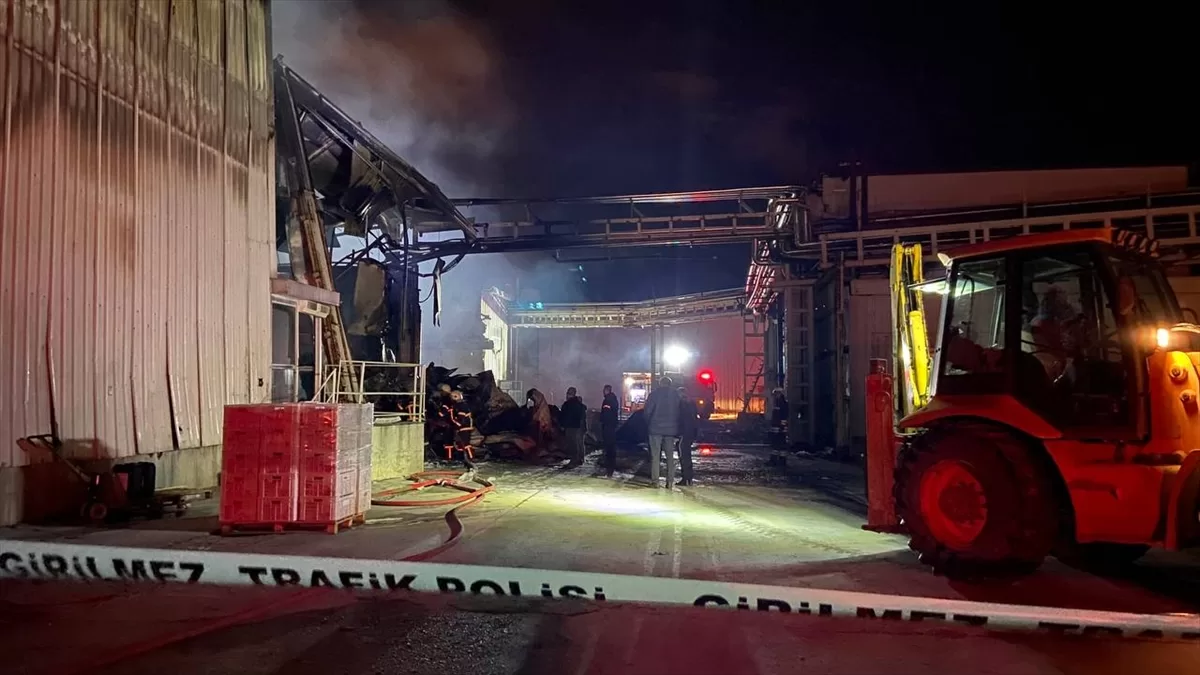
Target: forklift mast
<point>893,396</point>
<point>910,340</point>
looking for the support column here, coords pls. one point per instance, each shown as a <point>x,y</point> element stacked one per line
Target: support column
<point>798,314</point>
<point>656,354</point>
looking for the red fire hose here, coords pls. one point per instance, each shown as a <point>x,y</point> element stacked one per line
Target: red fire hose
<point>447,479</point>
<point>425,479</point>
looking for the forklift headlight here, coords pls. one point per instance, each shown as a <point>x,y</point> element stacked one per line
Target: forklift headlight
<point>1163,338</point>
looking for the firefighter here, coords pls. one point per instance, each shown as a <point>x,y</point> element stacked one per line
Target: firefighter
<point>608,428</point>
<point>779,419</point>
<point>463,424</point>
<point>439,420</point>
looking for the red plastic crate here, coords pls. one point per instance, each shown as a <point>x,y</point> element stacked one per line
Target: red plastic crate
<point>320,437</point>
<point>325,510</point>
<point>318,415</point>
<point>277,510</point>
<point>239,498</point>
<point>315,510</point>
<point>279,461</point>
<point>320,485</point>
<point>239,510</point>
<point>239,461</point>
<point>318,463</point>
<point>278,486</point>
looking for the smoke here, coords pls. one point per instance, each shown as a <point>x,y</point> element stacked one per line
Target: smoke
<point>429,82</point>
<point>423,78</point>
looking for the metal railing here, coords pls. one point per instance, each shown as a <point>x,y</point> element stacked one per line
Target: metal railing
<point>379,382</point>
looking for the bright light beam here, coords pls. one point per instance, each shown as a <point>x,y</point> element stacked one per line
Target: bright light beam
<point>674,356</point>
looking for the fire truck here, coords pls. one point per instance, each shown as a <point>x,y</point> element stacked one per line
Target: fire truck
<point>701,386</point>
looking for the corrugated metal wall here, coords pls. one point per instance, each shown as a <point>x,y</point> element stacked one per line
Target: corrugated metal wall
<point>136,193</point>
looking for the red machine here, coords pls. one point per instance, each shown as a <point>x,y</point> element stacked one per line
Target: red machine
<point>1060,414</point>
<point>705,393</point>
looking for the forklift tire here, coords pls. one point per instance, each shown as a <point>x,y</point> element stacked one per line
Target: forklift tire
<point>977,501</point>
<point>97,512</point>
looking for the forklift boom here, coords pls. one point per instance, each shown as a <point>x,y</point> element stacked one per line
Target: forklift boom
<point>910,341</point>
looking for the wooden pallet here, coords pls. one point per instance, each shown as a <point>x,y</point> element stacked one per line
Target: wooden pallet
<point>278,528</point>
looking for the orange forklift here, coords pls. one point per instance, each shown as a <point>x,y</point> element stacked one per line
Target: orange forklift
<point>1058,415</point>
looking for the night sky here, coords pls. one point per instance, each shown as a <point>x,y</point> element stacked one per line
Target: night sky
<point>547,98</point>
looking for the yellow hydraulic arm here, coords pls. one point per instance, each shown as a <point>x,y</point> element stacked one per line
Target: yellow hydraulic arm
<point>910,344</point>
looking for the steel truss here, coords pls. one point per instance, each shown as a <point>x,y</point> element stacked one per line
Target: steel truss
<point>668,219</point>
<point>661,312</point>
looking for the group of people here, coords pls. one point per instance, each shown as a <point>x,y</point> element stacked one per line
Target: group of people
<point>672,418</point>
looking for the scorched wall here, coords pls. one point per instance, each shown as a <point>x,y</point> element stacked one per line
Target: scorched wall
<point>136,193</point>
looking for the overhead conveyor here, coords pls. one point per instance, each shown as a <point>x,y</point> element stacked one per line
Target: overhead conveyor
<point>669,311</point>
<point>619,221</point>
<point>1170,219</point>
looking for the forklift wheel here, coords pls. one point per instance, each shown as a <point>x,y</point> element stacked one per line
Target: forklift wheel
<point>97,512</point>
<point>977,501</point>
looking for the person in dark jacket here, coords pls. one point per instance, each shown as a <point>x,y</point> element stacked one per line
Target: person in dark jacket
<point>608,428</point>
<point>573,420</point>
<point>662,421</point>
<point>689,421</point>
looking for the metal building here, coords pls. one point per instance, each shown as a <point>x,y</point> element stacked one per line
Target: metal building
<point>137,202</point>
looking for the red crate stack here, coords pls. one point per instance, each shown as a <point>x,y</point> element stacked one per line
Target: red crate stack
<point>293,463</point>
<point>259,464</point>
<point>328,472</point>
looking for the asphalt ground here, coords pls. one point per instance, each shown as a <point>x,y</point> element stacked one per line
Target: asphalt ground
<point>744,521</point>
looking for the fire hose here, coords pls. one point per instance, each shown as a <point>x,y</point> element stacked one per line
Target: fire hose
<point>447,479</point>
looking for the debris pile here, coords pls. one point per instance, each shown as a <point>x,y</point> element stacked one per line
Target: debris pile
<point>527,432</point>
<point>505,429</point>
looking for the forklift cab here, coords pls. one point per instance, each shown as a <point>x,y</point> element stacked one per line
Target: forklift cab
<point>1062,325</point>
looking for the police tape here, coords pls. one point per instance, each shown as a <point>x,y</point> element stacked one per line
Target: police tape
<point>36,560</point>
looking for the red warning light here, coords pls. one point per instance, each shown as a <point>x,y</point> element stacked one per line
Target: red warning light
<point>706,376</point>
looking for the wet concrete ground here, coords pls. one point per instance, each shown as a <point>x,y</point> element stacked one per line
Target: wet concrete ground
<point>743,522</point>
